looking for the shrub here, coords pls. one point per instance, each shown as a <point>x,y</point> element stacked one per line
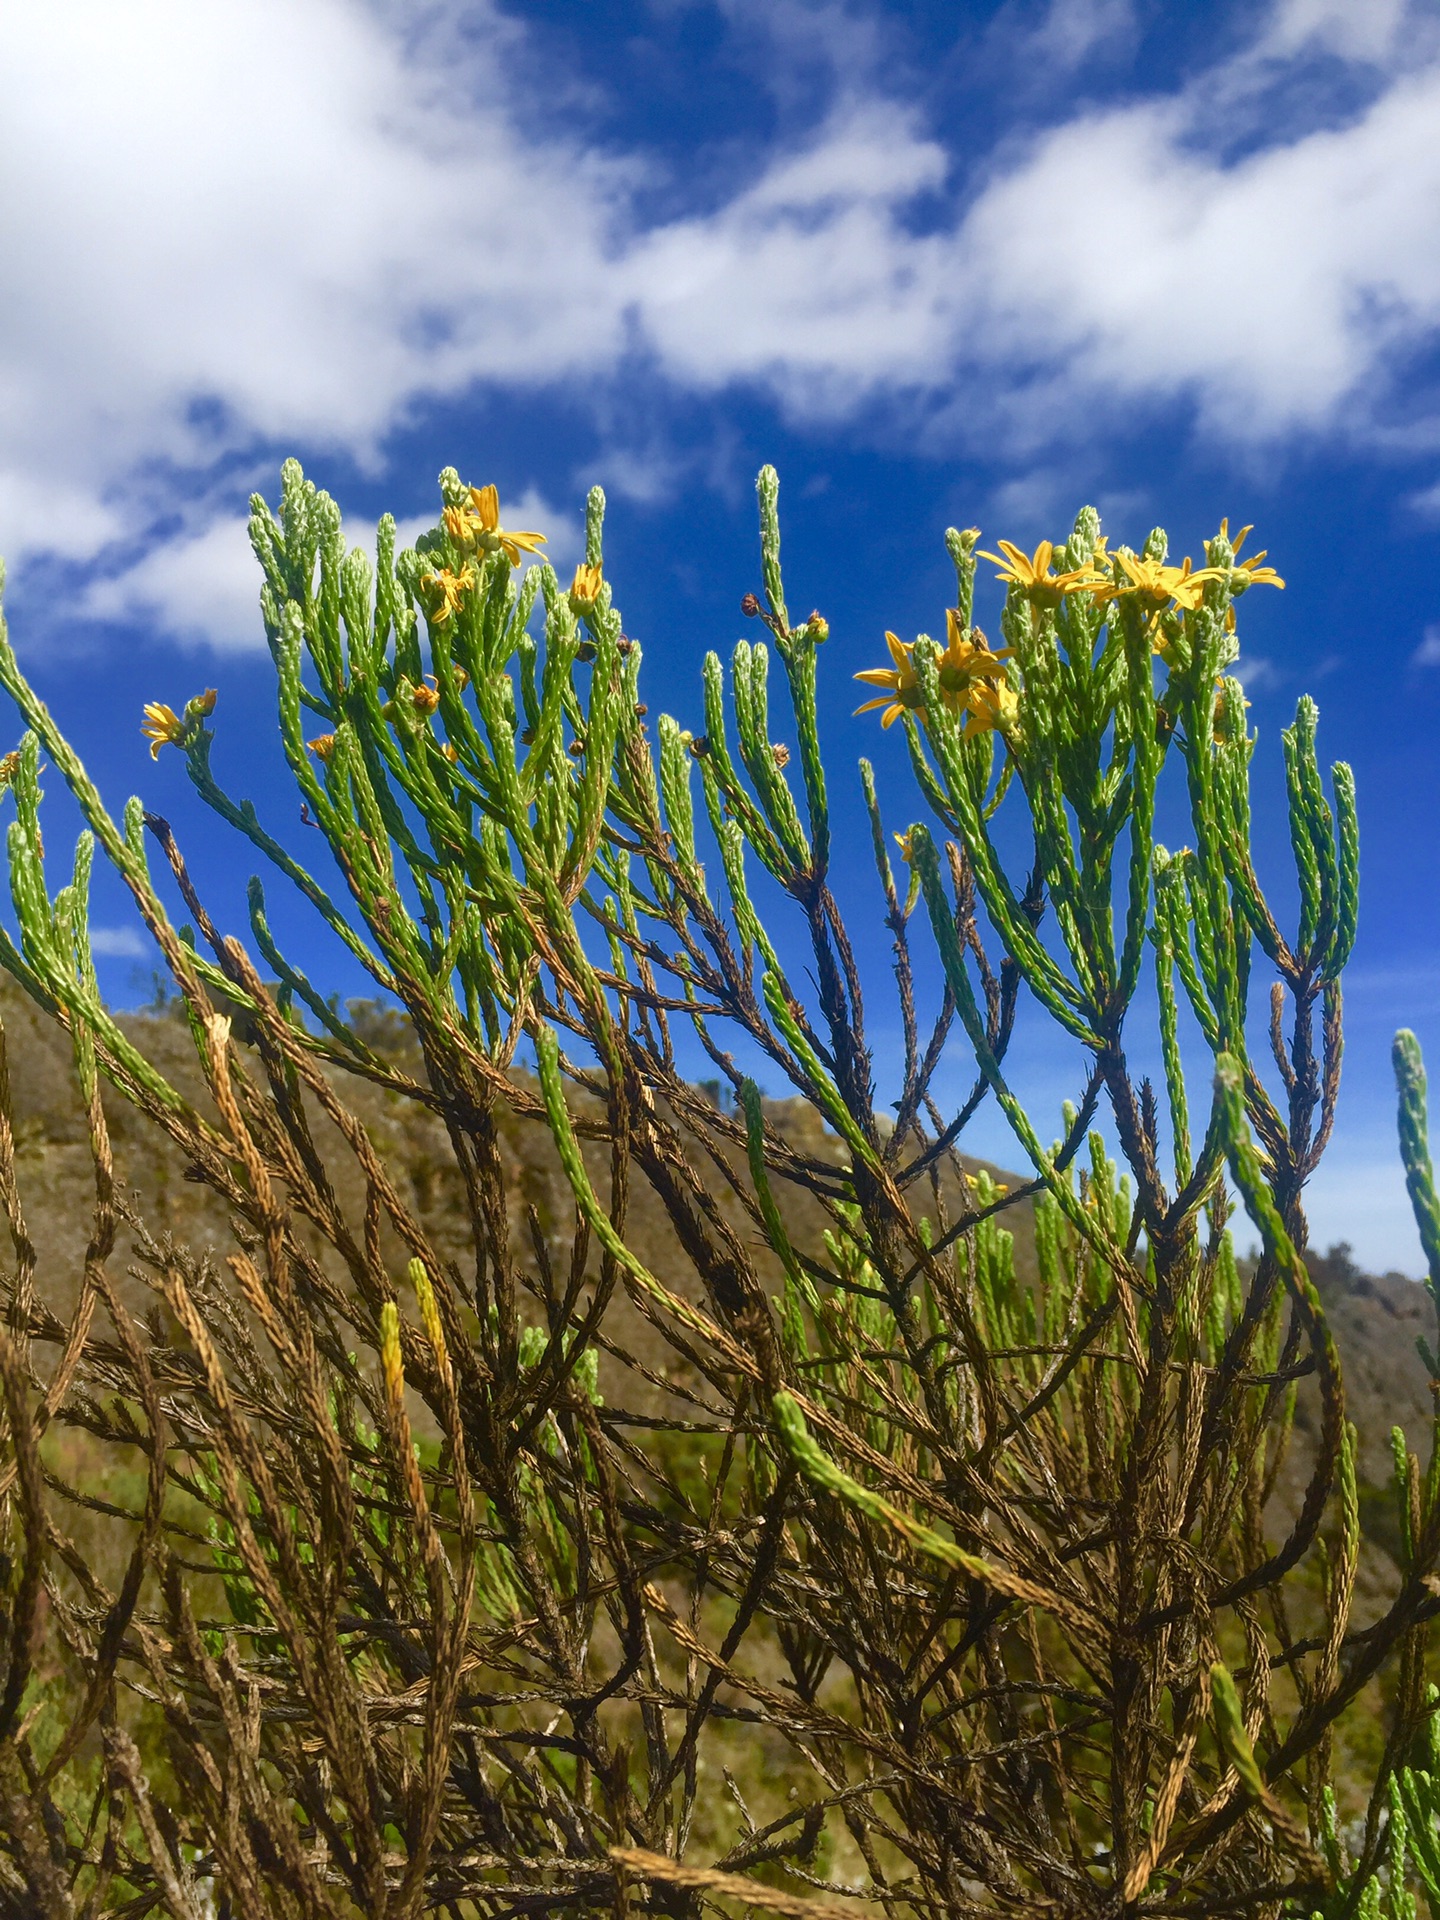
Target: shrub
<point>454,1579</point>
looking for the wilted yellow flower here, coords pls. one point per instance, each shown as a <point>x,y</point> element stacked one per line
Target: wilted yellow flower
<point>427,698</point>
<point>1032,574</point>
<point>444,591</point>
<point>1155,585</point>
<point>204,703</point>
<point>477,527</point>
<point>585,588</point>
<point>162,727</point>
<point>322,746</point>
<point>460,523</point>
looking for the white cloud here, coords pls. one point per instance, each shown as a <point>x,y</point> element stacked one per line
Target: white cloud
<point>808,281</point>
<point>295,220</point>
<point>1427,654</point>
<point>1272,289</point>
<point>204,588</point>
<point>117,943</point>
<point>254,219</point>
<point>199,588</point>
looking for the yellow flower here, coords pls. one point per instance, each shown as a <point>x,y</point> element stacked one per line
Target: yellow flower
<point>162,727</point>
<point>322,746</point>
<point>967,660</point>
<point>1155,585</point>
<point>1032,574</point>
<point>902,688</point>
<point>426,699</point>
<point>965,670</point>
<point>1255,574</point>
<point>585,588</point>
<point>204,703</point>
<point>906,846</point>
<point>993,708</point>
<point>445,591</point>
<point>477,527</point>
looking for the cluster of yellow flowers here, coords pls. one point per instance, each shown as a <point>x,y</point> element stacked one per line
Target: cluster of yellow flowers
<point>475,528</point>
<point>972,675</point>
<point>972,680</point>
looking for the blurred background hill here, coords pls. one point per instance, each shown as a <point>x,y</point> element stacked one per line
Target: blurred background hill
<point>1376,1317</point>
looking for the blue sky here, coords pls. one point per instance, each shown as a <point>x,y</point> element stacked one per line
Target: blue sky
<point>943,264</point>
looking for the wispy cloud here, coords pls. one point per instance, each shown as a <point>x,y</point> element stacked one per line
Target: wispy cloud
<point>1072,30</point>
<point>1258,675</point>
<point>296,220</point>
<point>1427,654</point>
<point>118,943</point>
<point>1369,32</point>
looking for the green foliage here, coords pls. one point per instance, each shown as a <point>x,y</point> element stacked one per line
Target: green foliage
<point>991,1475</point>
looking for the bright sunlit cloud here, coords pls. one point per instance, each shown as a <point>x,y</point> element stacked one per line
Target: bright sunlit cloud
<point>203,589</point>
<point>281,222</point>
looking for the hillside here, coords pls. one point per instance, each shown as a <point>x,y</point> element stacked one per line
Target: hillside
<point>1376,1319</point>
